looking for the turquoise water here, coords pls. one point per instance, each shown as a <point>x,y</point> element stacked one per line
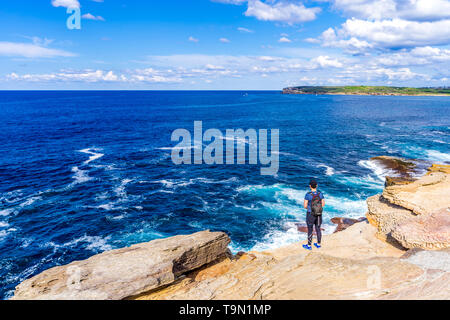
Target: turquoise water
<point>84,172</point>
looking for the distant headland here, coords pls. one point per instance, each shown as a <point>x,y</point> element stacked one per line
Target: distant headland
<point>368,90</point>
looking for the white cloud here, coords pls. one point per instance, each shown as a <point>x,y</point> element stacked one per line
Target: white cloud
<point>192,39</point>
<point>398,33</point>
<point>230,1</point>
<point>83,76</point>
<point>362,72</point>
<point>66,3</point>
<point>358,36</point>
<point>43,42</point>
<point>290,12</point>
<point>181,68</point>
<point>89,16</point>
<point>325,61</point>
<point>351,45</point>
<point>416,10</point>
<point>398,74</point>
<point>224,40</point>
<point>29,50</point>
<point>417,56</point>
<point>284,40</point>
<point>281,11</point>
<point>268,58</point>
<point>94,76</point>
<point>197,68</point>
<point>245,30</point>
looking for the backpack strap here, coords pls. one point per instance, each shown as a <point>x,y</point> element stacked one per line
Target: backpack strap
<point>315,195</point>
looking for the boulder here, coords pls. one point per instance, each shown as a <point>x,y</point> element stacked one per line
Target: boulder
<point>122,273</point>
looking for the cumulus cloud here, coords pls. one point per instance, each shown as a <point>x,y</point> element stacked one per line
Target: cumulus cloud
<point>31,50</point>
<point>379,25</point>
<point>398,33</point>
<point>66,3</point>
<point>350,44</point>
<point>358,36</point>
<point>415,57</point>
<point>281,11</point>
<point>326,61</point>
<point>285,11</point>
<point>415,10</point>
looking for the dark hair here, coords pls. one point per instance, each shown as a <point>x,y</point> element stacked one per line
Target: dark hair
<point>313,183</point>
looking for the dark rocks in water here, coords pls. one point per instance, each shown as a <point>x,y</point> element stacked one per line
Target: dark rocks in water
<point>402,167</point>
<point>304,228</point>
<point>344,223</point>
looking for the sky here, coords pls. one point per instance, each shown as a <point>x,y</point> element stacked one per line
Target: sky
<point>222,44</point>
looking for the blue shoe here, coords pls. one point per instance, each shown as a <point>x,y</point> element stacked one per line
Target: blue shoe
<point>307,247</point>
<point>318,246</point>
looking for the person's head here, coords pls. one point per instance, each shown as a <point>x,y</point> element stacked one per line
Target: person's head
<point>313,184</point>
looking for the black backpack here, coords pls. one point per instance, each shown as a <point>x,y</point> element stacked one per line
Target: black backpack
<point>316,204</point>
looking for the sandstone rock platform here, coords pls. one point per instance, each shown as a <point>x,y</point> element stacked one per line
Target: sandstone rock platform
<point>400,252</point>
<point>118,274</point>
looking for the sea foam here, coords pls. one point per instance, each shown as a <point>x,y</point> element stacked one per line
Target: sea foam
<point>94,154</point>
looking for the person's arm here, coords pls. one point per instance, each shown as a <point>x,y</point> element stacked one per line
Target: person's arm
<point>305,204</point>
<point>323,202</point>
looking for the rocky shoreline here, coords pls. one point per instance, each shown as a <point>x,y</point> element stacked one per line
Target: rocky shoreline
<point>367,94</point>
<point>401,251</point>
<point>365,91</point>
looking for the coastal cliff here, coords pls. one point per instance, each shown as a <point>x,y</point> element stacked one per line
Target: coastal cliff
<point>402,251</point>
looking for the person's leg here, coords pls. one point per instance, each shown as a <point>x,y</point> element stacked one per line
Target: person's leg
<point>310,233</point>
<point>318,225</point>
<point>310,224</point>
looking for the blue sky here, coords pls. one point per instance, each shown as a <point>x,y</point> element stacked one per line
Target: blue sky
<point>224,44</point>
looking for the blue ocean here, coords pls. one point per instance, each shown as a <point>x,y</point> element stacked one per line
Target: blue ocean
<point>85,172</point>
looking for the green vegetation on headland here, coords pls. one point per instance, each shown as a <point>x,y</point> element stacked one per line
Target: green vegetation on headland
<point>368,90</point>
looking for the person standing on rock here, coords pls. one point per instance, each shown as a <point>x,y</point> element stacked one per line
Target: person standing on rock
<point>314,204</point>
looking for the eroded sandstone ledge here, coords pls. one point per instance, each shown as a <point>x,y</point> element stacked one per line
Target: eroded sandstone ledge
<point>118,274</point>
<point>416,215</point>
